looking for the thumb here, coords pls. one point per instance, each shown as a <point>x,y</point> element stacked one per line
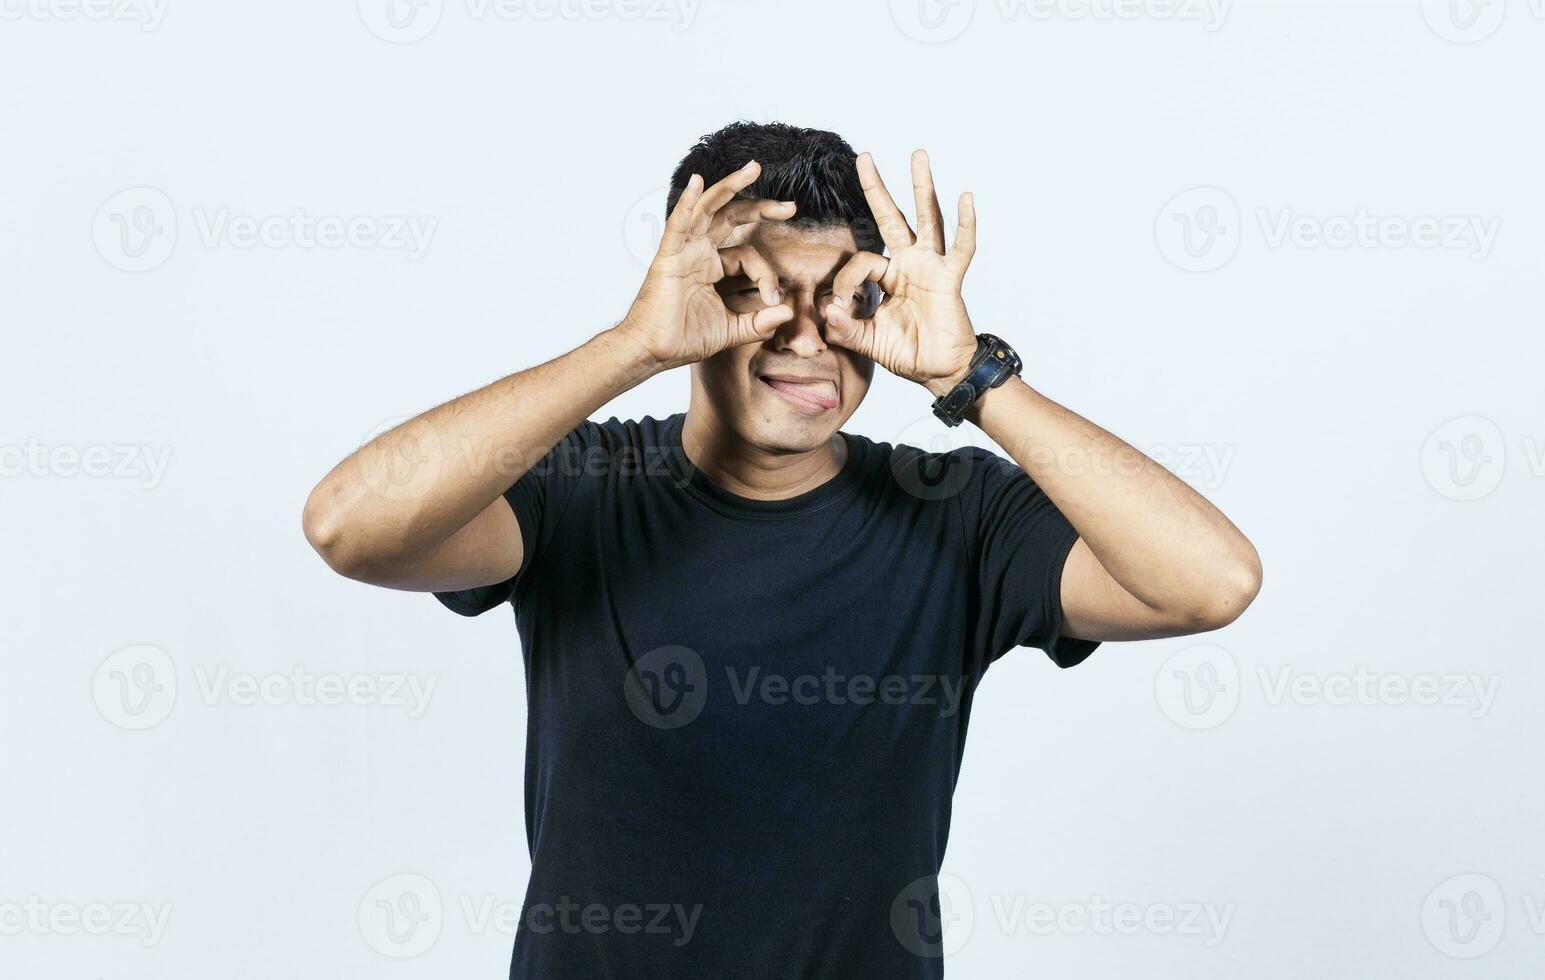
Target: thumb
<point>749,327</point>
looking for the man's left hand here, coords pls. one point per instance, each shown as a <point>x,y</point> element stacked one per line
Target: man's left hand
<point>921,331</point>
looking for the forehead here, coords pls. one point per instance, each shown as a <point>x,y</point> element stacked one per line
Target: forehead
<point>804,251</point>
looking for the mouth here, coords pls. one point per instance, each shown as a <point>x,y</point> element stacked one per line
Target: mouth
<point>808,395</point>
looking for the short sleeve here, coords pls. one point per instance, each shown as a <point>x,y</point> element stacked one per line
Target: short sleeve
<point>538,499</point>
<point>1022,543</point>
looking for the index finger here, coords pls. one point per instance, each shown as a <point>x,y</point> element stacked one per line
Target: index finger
<point>725,190</point>
<point>894,229</point>
<point>738,219</point>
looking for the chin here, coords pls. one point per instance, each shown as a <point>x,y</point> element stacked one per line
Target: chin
<point>789,435</point>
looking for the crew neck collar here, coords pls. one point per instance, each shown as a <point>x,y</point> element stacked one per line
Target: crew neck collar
<point>710,493</point>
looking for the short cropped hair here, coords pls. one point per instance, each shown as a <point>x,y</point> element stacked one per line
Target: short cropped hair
<point>811,167</point>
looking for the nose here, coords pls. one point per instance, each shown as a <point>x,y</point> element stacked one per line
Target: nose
<point>805,335</point>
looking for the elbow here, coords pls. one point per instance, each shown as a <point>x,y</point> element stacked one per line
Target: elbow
<point>328,532</point>
<point>1229,595</point>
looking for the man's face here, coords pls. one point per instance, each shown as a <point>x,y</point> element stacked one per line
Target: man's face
<point>792,392</point>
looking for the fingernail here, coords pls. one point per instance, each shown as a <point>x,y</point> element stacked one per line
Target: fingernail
<point>839,302</point>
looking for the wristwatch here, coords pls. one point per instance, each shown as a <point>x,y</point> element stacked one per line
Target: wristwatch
<point>993,363</point>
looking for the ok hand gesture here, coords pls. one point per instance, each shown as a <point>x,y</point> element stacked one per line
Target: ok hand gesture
<point>921,331</point>
<point>678,316</point>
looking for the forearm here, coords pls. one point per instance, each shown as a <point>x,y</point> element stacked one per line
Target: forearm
<point>1157,538</point>
<point>406,492</point>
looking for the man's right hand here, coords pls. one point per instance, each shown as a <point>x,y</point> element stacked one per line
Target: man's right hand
<point>678,317</point>
<point>451,529</point>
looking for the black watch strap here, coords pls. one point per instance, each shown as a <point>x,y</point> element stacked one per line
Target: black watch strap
<point>993,363</point>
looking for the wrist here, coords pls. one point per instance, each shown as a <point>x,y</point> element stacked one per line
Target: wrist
<point>941,386</point>
<point>623,347</point>
<point>993,363</point>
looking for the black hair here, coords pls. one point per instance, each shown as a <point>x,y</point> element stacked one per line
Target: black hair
<point>811,167</point>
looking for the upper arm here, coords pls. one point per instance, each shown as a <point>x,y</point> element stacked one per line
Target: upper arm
<point>1096,607</point>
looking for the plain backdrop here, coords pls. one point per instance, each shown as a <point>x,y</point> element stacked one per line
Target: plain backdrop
<point>1295,251</point>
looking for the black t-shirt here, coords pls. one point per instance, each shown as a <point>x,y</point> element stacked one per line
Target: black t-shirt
<point>746,718</point>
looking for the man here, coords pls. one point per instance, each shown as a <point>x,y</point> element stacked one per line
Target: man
<point>752,640</point>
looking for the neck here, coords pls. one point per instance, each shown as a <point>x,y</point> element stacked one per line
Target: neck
<point>748,471</point>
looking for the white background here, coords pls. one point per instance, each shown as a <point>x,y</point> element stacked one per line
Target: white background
<point>1306,386</point>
